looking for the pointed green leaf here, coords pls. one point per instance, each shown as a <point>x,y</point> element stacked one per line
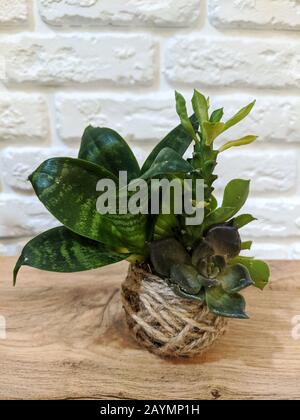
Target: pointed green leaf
<point>224,304</point>
<point>218,216</point>
<point>61,250</point>
<point>183,115</point>
<point>236,194</point>
<point>167,162</point>
<point>243,220</point>
<point>235,278</point>
<point>217,115</point>
<point>67,188</point>
<point>246,245</point>
<point>212,130</point>
<point>240,142</point>
<point>200,107</point>
<point>106,148</point>
<point>178,140</point>
<point>242,114</point>
<point>259,270</point>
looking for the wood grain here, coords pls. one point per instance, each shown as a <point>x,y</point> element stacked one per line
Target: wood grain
<point>67,339</point>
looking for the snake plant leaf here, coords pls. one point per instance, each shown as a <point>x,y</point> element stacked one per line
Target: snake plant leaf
<point>186,277</point>
<point>236,194</point>
<point>259,270</point>
<point>224,240</point>
<point>200,107</point>
<point>165,226</point>
<point>217,115</point>
<point>239,116</point>
<point>240,142</point>
<point>183,115</point>
<point>178,140</point>
<point>61,250</point>
<point>167,162</point>
<point>106,148</point>
<point>243,220</point>
<point>67,188</point>
<point>247,245</point>
<point>166,253</point>
<point>224,304</point>
<point>235,278</point>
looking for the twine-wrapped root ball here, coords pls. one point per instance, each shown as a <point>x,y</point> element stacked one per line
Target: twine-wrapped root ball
<point>164,323</point>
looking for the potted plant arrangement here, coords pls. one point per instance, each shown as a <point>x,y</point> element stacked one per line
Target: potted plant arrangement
<point>184,281</point>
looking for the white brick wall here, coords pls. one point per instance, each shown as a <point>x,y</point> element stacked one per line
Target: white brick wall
<point>13,13</point>
<point>65,64</point>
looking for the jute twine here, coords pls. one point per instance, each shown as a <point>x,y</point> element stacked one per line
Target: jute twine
<point>164,323</point>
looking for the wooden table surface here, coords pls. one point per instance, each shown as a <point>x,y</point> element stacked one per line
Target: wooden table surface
<point>67,339</point>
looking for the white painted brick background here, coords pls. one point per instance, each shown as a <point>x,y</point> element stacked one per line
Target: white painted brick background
<point>65,64</point>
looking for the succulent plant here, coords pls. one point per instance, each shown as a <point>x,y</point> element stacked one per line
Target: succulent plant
<point>202,262</point>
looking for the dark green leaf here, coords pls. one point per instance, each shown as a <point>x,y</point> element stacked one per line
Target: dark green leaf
<point>167,162</point>
<point>178,140</point>
<point>259,270</point>
<point>202,251</point>
<point>200,107</point>
<point>106,148</point>
<point>235,278</point>
<point>63,251</point>
<point>67,187</point>
<point>226,305</point>
<point>186,277</point>
<point>183,115</point>
<point>243,220</point>
<point>217,115</point>
<point>166,253</point>
<point>224,240</point>
<point>200,297</point>
<point>236,194</point>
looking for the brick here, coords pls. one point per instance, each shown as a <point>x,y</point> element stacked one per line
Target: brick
<point>18,164</point>
<point>277,218</point>
<point>174,13</point>
<point>23,117</point>
<point>136,118</point>
<point>239,62</point>
<point>13,13</point>
<point>56,60</point>
<point>261,14</point>
<point>23,216</point>
<point>269,171</point>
